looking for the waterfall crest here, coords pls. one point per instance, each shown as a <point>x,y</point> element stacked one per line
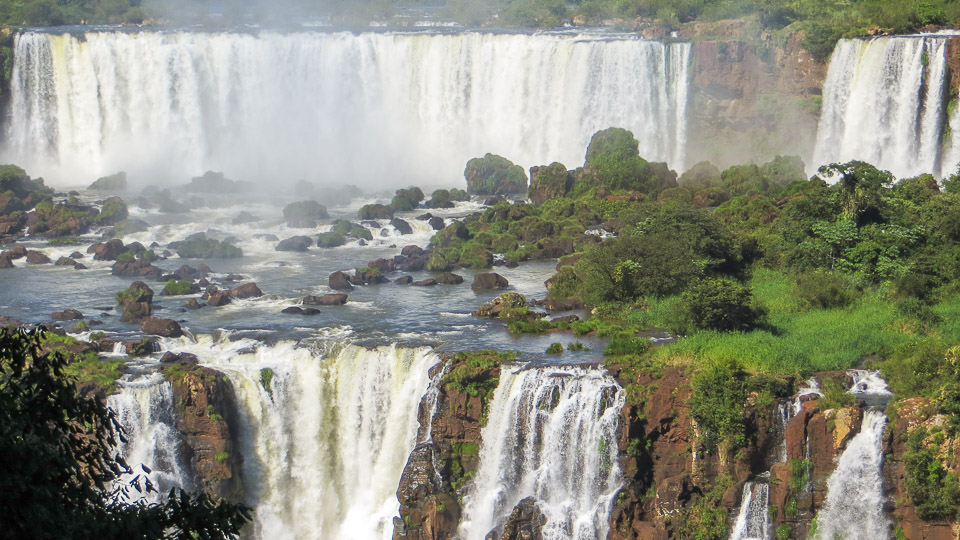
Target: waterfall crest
<point>334,106</point>
<point>883,103</point>
<point>551,434</point>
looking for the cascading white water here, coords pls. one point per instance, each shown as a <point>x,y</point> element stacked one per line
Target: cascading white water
<point>753,518</point>
<point>883,103</point>
<point>324,437</point>
<point>551,435</point>
<point>145,408</point>
<point>344,107</point>
<point>856,487</point>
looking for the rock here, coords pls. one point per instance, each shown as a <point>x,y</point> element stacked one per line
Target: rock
<point>371,224</point>
<point>375,211</point>
<point>192,304</point>
<point>448,278</point>
<point>565,319</point>
<point>368,276</point>
<point>245,217</point>
<point>411,251</point>
<point>135,311</point>
<point>139,268</point>
<point>437,223</point>
<point>35,257</point>
<point>17,252</point>
<point>415,263</point>
<point>129,226</point>
<point>525,522</point>
<point>107,251</point>
<point>295,243</point>
<point>340,281</point>
<point>113,211</point>
<point>216,297</point>
<point>383,265</point>
<point>430,282</point>
<point>161,327</point>
<point>497,305</point>
<point>79,266</point>
<point>294,310</point>
<point>401,226</point>
<point>304,211</point>
<point>181,358</point>
<point>205,404</point>
<point>216,182</point>
<point>404,280</point>
<point>488,281</point>
<point>76,255</point>
<point>114,182</point>
<point>267,237</point>
<point>326,300</point>
<point>494,175</point>
<point>67,315</point>
<point>65,261</point>
<point>549,182</point>
<point>5,260</point>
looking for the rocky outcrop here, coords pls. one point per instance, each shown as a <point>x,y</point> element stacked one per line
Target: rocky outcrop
<point>488,281</point>
<point>549,182</point>
<point>295,243</point>
<point>205,405</point>
<point>326,300</point>
<point>525,522</point>
<point>340,281</point>
<point>161,327</point>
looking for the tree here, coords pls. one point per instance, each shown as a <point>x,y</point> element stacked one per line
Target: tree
<point>719,304</point>
<point>58,475</point>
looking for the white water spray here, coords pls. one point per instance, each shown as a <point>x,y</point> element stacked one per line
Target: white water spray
<point>324,437</point>
<point>145,408</point>
<point>753,519</point>
<point>334,106</point>
<point>883,102</point>
<point>551,434</point>
<point>856,487</point>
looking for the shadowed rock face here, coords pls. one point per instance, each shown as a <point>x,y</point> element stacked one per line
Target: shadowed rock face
<point>205,405</point>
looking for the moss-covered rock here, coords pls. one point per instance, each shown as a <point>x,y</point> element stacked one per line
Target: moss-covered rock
<point>440,199</point>
<point>179,288</point>
<point>114,182</point>
<point>304,210</point>
<point>407,199</point>
<point>375,211</point>
<point>494,175</point>
<point>114,210</point>
<point>208,248</point>
<point>550,182</point>
<point>331,239</point>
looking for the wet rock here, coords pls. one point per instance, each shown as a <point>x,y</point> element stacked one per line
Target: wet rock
<point>114,182</point>
<point>267,237</point>
<point>245,217</point>
<point>66,315</point>
<point>565,319</point>
<point>304,211</point>
<point>401,226</point>
<point>414,263</point>
<point>215,297</point>
<point>404,280</point>
<point>135,311</point>
<point>35,257</point>
<point>340,281</point>
<point>383,265</point>
<point>181,358</point>
<point>425,283</point>
<point>295,243</point>
<point>371,224</point>
<point>161,327</point>
<point>193,304</point>
<point>448,278</point>
<point>368,276</point>
<point>437,223</point>
<point>497,305</point>
<point>79,266</point>
<point>525,523</point>
<point>488,281</point>
<point>138,268</point>
<point>108,251</point>
<point>5,261</point>
<point>411,251</point>
<point>294,310</point>
<point>17,252</point>
<point>65,261</point>
<point>326,300</point>
<point>375,211</point>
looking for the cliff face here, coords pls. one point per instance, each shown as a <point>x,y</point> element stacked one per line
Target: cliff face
<point>672,484</point>
<point>755,94</point>
<point>205,404</point>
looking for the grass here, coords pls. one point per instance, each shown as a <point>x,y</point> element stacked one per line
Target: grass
<point>800,342</point>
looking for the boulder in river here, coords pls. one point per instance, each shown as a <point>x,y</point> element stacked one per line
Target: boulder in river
<point>401,226</point>
<point>335,299</point>
<point>448,278</point>
<point>404,280</point>
<point>340,281</point>
<point>161,327</point>
<point>429,282</point>
<point>497,305</point>
<point>35,257</point>
<point>67,315</point>
<point>295,243</point>
<point>488,281</point>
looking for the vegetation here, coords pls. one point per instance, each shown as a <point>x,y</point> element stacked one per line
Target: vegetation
<point>494,175</point>
<point>59,461</point>
<point>179,288</point>
<point>207,248</point>
<point>934,491</point>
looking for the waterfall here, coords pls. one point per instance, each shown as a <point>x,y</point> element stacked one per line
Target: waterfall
<point>856,487</point>
<point>145,408</point>
<point>883,103</point>
<point>551,434</point>
<point>753,519</point>
<point>334,106</point>
<point>324,438</point>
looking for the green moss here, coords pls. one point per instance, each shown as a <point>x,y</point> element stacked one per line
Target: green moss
<point>799,474</point>
<point>220,457</point>
<point>933,489</point>
<point>126,257</point>
<point>468,375</point>
<point>266,380</point>
<point>331,239</point>
<point>208,248</point>
<point>555,348</point>
<point>179,288</point>
<point>64,241</point>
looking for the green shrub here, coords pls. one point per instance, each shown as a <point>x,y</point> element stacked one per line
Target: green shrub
<point>835,396</point>
<point>719,304</point>
<point>208,248</point>
<point>824,290</point>
<point>180,288</point>
<point>626,345</point>
<point>800,470</point>
<point>266,380</point>
<point>406,199</point>
<point>555,348</point>
<point>717,403</point>
<point>126,257</point>
<point>932,488</point>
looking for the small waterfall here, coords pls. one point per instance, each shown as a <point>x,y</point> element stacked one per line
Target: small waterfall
<point>324,437</point>
<point>812,386</point>
<point>551,434</point>
<point>753,519</point>
<point>854,503</point>
<point>165,106</point>
<point>883,102</point>
<point>145,408</point>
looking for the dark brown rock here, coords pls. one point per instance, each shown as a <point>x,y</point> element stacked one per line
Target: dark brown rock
<point>383,265</point>
<point>247,290</point>
<point>326,300</point>
<point>401,226</point>
<point>448,278</point>
<point>108,251</point>
<point>139,268</point>
<point>488,281</point>
<point>295,243</point>
<point>404,280</point>
<point>437,223</point>
<point>65,261</point>
<point>35,257</point>
<point>411,251</point>
<point>340,281</point>
<point>497,305</point>
<point>67,315</point>
<point>525,522</point>
<point>179,358</point>
<point>161,327</point>
<point>429,282</point>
